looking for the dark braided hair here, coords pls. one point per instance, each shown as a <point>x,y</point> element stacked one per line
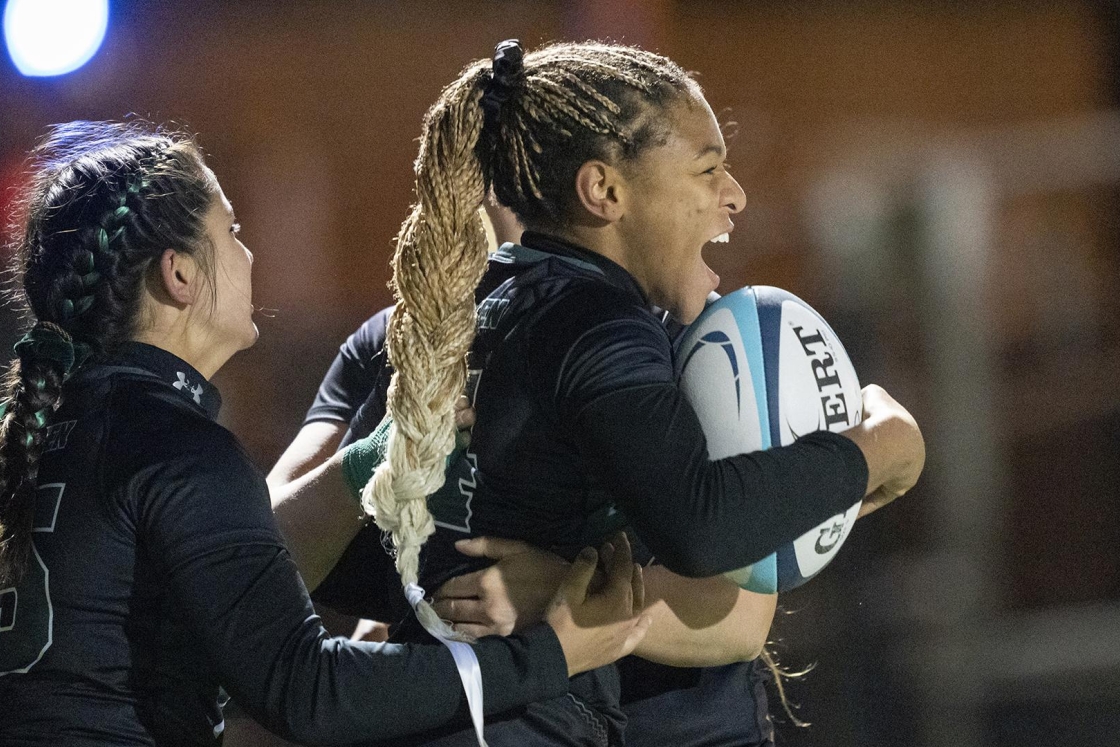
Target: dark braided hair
<point>521,125</point>
<point>103,203</point>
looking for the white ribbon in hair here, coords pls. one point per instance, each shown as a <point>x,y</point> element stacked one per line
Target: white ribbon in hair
<point>465,661</point>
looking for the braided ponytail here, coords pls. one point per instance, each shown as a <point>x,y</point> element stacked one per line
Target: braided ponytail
<point>522,126</point>
<point>104,202</point>
<point>32,389</point>
<point>440,257</point>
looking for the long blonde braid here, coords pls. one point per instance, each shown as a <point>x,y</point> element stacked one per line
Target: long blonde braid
<point>440,258</point>
<point>575,101</point>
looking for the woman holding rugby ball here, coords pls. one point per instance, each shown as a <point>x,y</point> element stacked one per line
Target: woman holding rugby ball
<point>611,158</point>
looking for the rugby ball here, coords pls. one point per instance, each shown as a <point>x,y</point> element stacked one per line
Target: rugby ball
<point>762,368</point>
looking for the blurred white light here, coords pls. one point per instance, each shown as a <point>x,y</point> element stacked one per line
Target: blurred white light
<point>52,37</point>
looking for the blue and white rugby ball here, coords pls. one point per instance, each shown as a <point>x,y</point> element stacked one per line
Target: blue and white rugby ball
<point>761,368</point>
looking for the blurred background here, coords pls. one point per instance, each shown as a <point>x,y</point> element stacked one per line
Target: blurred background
<point>940,180</point>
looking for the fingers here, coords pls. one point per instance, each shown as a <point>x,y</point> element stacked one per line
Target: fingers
<point>870,504</point>
<point>620,564</point>
<point>638,589</point>
<point>606,553</point>
<point>876,500</point>
<point>464,421</point>
<point>595,629</point>
<point>875,400</point>
<point>495,548</point>
<point>461,587</point>
<point>892,446</point>
<point>464,413</point>
<point>462,611</point>
<point>462,439</point>
<point>574,588</point>
<point>637,633</point>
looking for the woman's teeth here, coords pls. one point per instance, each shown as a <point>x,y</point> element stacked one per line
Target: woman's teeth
<point>723,238</point>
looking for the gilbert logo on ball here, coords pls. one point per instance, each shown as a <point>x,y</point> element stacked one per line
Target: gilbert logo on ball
<point>762,368</point>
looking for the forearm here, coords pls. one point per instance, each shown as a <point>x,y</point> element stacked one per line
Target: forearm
<point>313,445</point>
<point>703,622</point>
<point>384,690</point>
<point>276,660</point>
<point>700,517</point>
<point>319,517</point>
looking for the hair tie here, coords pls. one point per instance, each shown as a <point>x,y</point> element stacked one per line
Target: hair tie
<point>48,341</point>
<point>508,71</point>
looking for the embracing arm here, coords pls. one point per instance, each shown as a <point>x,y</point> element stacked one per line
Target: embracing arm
<point>312,503</point>
<point>319,516</point>
<point>314,506</point>
<point>695,622</point>
<point>703,622</point>
<point>700,517</point>
<point>206,516</point>
<point>319,511</point>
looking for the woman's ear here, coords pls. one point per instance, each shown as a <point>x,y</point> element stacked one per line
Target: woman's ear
<point>598,187</point>
<point>179,276</point>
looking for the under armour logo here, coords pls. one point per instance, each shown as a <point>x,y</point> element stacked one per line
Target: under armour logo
<point>182,383</point>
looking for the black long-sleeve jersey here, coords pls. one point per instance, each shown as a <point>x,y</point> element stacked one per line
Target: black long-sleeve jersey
<point>581,429</point>
<point>722,706</point>
<point>158,575</point>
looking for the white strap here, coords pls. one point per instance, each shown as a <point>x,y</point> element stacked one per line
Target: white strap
<point>465,661</point>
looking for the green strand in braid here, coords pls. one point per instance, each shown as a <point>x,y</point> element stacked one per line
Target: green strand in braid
<point>115,217</point>
<point>110,230</point>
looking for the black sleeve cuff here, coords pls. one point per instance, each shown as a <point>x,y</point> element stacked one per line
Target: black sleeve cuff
<point>522,669</point>
<point>854,465</point>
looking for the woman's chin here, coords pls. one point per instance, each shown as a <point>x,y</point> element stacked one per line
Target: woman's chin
<point>713,278</point>
<point>251,339</point>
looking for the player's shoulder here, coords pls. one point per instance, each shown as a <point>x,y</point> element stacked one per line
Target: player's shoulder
<point>148,420</point>
<point>597,336</point>
<point>587,303</point>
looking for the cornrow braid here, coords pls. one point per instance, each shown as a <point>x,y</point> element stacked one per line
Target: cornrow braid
<point>76,291</point>
<point>577,102</point>
<point>104,202</point>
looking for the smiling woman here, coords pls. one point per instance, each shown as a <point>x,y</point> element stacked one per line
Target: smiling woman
<point>675,199</point>
<point>612,160</point>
